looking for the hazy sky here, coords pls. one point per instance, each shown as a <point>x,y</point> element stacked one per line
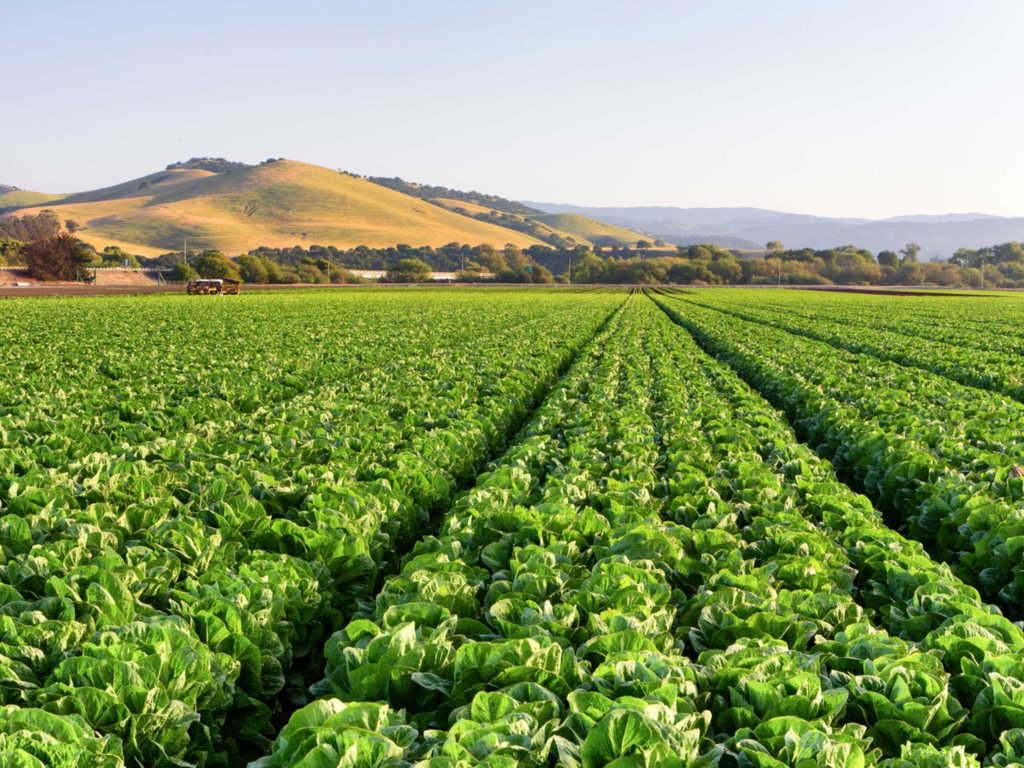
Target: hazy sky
<point>855,108</point>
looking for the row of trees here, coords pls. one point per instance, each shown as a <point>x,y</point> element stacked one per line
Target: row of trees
<point>428,192</point>
<point>28,227</point>
<point>446,258</point>
<point>54,253</point>
<point>321,265</point>
<point>1000,266</point>
<point>260,270</point>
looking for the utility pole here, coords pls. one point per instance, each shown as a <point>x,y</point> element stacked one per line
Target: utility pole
<point>780,271</point>
<point>570,269</point>
<point>184,249</point>
<point>983,272</point>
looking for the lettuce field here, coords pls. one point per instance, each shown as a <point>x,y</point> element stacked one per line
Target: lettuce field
<point>452,528</point>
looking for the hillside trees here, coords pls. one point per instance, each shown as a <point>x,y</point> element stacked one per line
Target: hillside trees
<point>889,259</point>
<point>212,164</point>
<point>514,258</point>
<point>490,259</point>
<point>56,258</point>
<point>46,224</point>
<point>12,253</point>
<point>112,256</point>
<point>690,271</point>
<point>428,192</point>
<point>1002,265</point>
<point>909,253</point>
<point>184,273</point>
<point>409,271</point>
<point>587,268</point>
<point>253,269</point>
<point>704,263</point>
<point>214,265</point>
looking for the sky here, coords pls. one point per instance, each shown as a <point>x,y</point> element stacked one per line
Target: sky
<point>834,107</point>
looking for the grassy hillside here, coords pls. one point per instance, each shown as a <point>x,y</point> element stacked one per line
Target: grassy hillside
<point>21,197</point>
<point>581,229</point>
<point>431,192</point>
<point>592,230</point>
<point>278,205</point>
<point>470,208</point>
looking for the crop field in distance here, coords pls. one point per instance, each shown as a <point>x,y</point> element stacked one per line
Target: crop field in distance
<point>451,528</point>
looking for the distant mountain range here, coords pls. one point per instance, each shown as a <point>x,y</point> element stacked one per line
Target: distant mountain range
<point>751,228</point>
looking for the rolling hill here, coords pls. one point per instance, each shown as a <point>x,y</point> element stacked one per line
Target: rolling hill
<point>591,230</point>
<point>575,229</point>
<point>12,197</point>
<point>553,230</point>
<point>278,204</point>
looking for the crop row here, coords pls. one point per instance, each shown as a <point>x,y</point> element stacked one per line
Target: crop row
<point>951,357</point>
<point>210,372</point>
<point>938,456</point>
<point>175,598</point>
<point>657,573</point>
<point>988,323</point>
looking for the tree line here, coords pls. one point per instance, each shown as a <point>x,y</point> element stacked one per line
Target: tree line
<point>320,266</point>
<point>1001,266</point>
<point>428,192</point>
<point>49,248</point>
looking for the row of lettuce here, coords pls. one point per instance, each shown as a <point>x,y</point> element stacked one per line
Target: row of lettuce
<point>943,459</point>
<point>184,523</point>
<point>981,321</point>
<point>656,573</point>
<point>974,342</point>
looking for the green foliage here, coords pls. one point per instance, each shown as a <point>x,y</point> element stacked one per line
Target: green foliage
<point>114,257</point>
<point>214,265</point>
<point>694,264</point>
<point>183,272</point>
<point>37,739</point>
<point>657,573</point>
<point>946,476</point>
<point>409,271</point>
<point>889,259</point>
<point>212,164</point>
<point>12,253</point>
<point>500,528</point>
<point>60,257</point>
<point>254,269</point>
<point>427,192</point>
<point>586,228</point>
<point>179,537</point>
<point>42,226</point>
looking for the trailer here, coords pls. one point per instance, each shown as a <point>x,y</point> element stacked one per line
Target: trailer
<point>214,287</point>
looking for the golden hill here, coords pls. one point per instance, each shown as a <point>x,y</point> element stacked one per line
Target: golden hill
<point>592,230</point>
<point>280,204</point>
<point>581,229</point>
<point>19,198</point>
